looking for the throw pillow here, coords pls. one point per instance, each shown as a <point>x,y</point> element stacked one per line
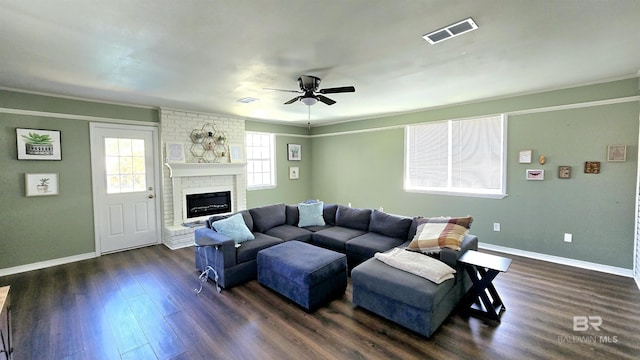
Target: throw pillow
<point>432,237</point>
<point>234,227</point>
<point>311,214</point>
<point>417,221</point>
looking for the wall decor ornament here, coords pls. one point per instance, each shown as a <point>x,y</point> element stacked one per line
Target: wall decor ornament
<point>38,144</point>
<point>294,152</point>
<point>174,152</point>
<point>41,184</point>
<point>535,174</point>
<point>592,167</point>
<point>617,153</point>
<point>564,172</point>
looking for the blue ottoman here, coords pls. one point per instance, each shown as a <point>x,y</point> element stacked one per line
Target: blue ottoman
<point>309,275</point>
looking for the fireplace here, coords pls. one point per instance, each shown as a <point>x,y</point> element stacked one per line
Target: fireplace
<point>200,204</point>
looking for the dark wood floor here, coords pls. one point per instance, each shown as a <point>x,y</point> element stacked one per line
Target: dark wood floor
<point>140,304</point>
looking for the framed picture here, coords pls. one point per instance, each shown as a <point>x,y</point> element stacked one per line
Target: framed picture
<point>236,155</point>
<point>294,152</point>
<point>524,157</point>
<point>37,144</point>
<point>617,153</point>
<point>41,184</point>
<point>175,152</point>
<point>564,172</point>
<point>294,173</point>
<point>592,167</point>
<point>535,174</point>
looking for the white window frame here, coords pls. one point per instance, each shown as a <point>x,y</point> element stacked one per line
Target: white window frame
<point>271,158</point>
<point>499,193</point>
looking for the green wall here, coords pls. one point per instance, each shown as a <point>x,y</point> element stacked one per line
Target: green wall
<point>287,191</point>
<point>366,170</point>
<point>36,229</point>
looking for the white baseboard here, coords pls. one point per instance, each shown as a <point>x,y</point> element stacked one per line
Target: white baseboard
<point>46,264</point>
<point>560,260</point>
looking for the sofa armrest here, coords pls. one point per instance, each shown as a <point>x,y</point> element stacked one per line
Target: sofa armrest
<point>226,251</point>
<point>450,257</point>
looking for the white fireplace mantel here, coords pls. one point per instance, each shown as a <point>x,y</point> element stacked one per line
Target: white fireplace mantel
<point>205,169</point>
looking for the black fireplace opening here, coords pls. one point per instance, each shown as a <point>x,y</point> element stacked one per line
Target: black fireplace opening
<point>206,204</point>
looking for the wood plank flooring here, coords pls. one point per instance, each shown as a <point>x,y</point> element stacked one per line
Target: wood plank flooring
<point>140,304</point>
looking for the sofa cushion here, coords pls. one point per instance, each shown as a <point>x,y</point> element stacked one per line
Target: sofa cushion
<point>432,237</point>
<point>233,227</point>
<point>365,246</point>
<point>389,225</point>
<point>248,251</point>
<point>335,237</point>
<point>292,215</point>
<point>245,215</point>
<point>266,217</point>
<point>290,232</point>
<point>353,218</point>
<point>417,221</point>
<point>311,214</point>
<point>329,213</point>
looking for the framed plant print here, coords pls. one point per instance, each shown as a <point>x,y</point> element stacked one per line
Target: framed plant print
<point>294,152</point>
<point>294,173</point>
<point>37,144</point>
<point>41,184</point>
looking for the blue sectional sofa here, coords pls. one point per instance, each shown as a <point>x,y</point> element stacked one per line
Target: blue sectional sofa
<point>407,299</point>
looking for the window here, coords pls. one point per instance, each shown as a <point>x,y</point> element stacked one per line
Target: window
<point>457,157</point>
<point>260,160</point>
<point>125,165</point>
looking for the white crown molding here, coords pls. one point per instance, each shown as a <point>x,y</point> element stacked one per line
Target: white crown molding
<point>76,117</point>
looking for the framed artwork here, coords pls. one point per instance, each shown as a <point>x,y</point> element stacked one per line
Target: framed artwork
<point>524,157</point>
<point>175,152</point>
<point>41,184</point>
<point>37,144</point>
<point>617,153</point>
<point>236,153</point>
<point>535,174</point>
<point>294,173</point>
<point>294,152</point>
<point>564,172</point>
<point>592,167</point>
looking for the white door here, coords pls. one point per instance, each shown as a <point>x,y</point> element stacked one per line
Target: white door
<point>123,162</point>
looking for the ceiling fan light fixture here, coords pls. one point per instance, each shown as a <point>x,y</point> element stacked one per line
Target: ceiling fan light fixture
<point>309,100</point>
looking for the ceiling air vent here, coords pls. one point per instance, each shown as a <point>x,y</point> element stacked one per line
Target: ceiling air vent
<point>451,31</point>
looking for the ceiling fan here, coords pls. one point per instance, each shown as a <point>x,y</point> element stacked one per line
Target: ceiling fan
<point>311,95</point>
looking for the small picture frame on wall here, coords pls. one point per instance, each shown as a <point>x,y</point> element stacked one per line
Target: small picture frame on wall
<point>294,173</point>
<point>41,184</point>
<point>524,157</point>
<point>592,167</point>
<point>564,172</point>
<point>535,174</point>
<point>175,152</point>
<point>617,153</point>
<point>38,144</point>
<point>294,152</point>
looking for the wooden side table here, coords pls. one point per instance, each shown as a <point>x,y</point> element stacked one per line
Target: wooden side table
<point>483,299</point>
<point>5,323</point>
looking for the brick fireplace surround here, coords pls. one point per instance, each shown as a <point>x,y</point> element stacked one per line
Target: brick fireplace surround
<point>176,126</point>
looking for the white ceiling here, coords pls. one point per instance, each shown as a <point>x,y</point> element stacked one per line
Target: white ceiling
<point>205,55</point>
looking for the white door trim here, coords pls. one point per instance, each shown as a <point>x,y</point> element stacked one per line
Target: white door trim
<point>95,182</point>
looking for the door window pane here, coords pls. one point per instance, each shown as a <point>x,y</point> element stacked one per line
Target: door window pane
<point>125,165</point>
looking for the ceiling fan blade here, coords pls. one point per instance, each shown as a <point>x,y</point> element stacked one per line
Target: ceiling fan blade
<point>283,90</point>
<point>293,100</point>
<point>336,90</point>
<point>325,99</point>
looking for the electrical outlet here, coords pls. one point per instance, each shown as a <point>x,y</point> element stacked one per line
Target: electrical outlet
<point>568,237</point>
<point>496,226</point>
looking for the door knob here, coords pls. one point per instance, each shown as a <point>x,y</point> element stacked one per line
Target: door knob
<point>150,196</point>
